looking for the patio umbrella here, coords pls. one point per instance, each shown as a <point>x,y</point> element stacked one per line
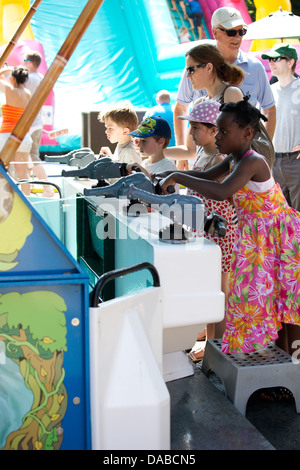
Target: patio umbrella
<point>278,25</point>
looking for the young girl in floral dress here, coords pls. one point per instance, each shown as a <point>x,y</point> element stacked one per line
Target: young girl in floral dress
<point>203,128</point>
<point>264,287</point>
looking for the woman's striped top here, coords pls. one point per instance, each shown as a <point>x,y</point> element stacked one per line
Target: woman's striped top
<point>10,117</point>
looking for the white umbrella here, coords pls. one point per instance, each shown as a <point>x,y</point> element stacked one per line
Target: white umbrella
<point>278,25</point>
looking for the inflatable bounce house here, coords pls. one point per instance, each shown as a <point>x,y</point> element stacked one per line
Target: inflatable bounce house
<point>130,54</point>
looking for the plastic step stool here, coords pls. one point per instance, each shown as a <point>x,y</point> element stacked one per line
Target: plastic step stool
<point>243,374</point>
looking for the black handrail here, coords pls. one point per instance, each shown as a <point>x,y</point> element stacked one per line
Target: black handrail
<point>43,182</point>
<point>95,294</point>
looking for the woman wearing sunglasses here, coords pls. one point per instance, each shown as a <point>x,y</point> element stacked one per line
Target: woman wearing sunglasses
<point>207,69</point>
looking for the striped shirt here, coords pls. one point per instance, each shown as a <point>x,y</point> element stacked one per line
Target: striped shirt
<point>10,117</point>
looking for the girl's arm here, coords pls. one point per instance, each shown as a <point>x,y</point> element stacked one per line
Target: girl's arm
<point>220,170</point>
<point>182,152</point>
<point>242,173</point>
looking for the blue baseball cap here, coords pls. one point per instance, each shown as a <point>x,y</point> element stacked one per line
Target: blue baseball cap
<point>152,125</point>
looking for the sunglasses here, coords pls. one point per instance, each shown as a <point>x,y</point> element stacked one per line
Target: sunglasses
<point>233,32</point>
<point>191,69</point>
<point>27,60</point>
<point>277,59</point>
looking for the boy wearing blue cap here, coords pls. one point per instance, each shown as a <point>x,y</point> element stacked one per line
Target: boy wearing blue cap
<point>286,169</point>
<point>152,137</point>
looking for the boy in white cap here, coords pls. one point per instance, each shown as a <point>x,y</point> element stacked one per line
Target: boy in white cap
<point>228,28</point>
<point>286,169</point>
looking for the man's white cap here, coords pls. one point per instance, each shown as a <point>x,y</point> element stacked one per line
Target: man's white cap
<point>227,17</point>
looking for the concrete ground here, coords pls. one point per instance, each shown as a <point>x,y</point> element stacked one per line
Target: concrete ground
<point>203,418</point>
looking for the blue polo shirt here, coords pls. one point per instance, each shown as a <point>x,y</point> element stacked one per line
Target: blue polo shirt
<point>255,83</point>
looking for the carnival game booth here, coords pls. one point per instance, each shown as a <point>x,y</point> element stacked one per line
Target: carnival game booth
<point>62,341</point>
<point>129,222</point>
<point>44,392</point>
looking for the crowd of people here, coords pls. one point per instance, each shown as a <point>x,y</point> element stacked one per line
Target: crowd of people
<point>224,97</point>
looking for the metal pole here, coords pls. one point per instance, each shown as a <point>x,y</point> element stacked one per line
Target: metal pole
<point>19,31</point>
<point>51,76</point>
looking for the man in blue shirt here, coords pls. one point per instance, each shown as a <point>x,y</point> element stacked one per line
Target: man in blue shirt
<point>194,12</point>
<point>164,110</point>
<point>228,29</point>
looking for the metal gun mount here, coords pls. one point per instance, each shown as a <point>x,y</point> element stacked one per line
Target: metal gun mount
<point>100,170</point>
<point>79,158</point>
<point>182,210</point>
<point>121,187</point>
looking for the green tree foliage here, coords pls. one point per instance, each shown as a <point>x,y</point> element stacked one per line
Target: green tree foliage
<point>33,328</point>
<point>41,313</point>
<point>296,7</point>
<point>251,9</point>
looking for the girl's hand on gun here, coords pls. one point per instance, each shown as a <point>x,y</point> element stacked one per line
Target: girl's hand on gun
<point>165,183</point>
<point>129,167</point>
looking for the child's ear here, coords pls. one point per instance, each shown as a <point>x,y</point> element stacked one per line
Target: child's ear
<point>249,132</point>
<point>126,130</point>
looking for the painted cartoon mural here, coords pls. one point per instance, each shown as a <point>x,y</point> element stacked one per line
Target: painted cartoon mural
<point>33,330</point>
<point>42,290</point>
<point>15,225</point>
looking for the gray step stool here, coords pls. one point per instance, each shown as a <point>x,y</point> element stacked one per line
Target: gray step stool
<point>243,374</point>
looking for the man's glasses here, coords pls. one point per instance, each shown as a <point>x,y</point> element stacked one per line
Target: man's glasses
<point>233,32</point>
<point>191,69</point>
<point>27,60</point>
<point>277,59</point>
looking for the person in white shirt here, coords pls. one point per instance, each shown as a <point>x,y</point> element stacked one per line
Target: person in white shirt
<point>286,169</point>
<point>32,61</point>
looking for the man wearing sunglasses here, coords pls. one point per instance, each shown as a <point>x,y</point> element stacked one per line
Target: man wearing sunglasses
<point>228,28</point>
<point>286,169</point>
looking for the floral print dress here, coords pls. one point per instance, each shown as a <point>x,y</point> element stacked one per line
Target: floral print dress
<point>264,286</point>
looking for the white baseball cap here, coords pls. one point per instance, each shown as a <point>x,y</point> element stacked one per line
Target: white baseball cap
<point>227,17</point>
